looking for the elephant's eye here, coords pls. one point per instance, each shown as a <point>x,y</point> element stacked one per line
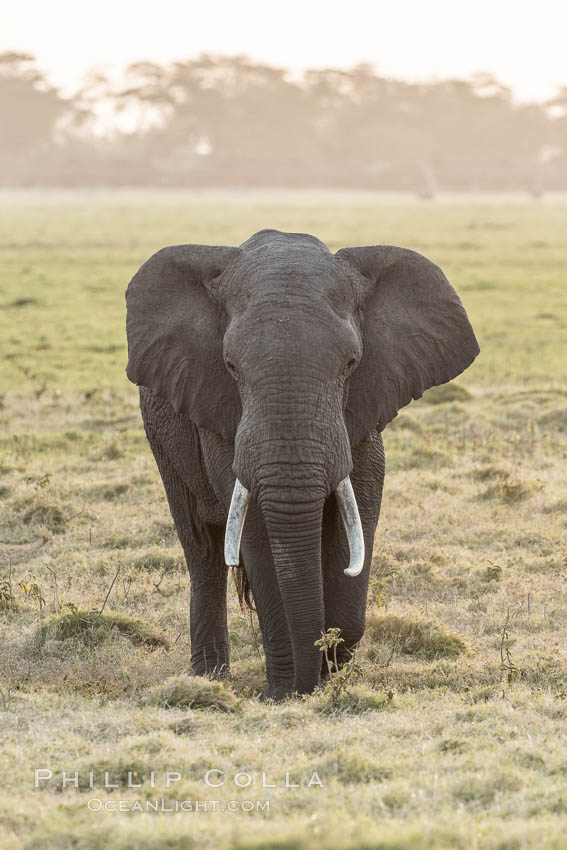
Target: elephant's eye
<point>231,368</point>
<point>351,363</point>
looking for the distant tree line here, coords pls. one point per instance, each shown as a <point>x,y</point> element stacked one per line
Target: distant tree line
<point>228,121</point>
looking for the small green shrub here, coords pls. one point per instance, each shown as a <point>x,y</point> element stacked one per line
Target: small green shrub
<point>340,678</point>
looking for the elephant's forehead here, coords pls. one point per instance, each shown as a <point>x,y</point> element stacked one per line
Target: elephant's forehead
<point>287,270</point>
<point>288,329</point>
<point>277,238</point>
<point>291,296</point>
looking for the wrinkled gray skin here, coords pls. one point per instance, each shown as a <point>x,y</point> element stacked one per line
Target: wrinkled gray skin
<point>280,363</point>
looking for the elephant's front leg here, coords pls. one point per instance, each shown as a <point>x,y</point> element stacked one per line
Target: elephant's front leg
<point>345,596</point>
<point>203,548</point>
<point>210,643</point>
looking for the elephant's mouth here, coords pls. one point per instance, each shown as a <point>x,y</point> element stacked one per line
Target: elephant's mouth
<point>347,507</point>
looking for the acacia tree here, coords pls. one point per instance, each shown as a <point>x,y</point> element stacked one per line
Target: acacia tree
<point>218,120</point>
<point>30,106</point>
<point>225,116</point>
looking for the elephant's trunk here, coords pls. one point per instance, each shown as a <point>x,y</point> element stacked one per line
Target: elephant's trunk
<point>294,530</point>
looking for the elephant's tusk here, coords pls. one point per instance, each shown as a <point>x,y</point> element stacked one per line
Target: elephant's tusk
<point>235,524</point>
<point>353,526</point>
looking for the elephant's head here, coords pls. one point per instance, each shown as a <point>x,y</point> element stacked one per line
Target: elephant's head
<point>294,354</point>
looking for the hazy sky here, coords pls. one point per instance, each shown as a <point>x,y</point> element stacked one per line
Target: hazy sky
<point>523,42</point>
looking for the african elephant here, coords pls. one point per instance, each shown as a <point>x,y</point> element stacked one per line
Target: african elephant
<point>267,373</point>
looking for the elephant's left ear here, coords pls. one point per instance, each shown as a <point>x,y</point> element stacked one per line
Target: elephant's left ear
<point>416,334</point>
<point>175,328</point>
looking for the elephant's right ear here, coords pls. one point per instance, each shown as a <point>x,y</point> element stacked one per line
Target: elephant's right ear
<point>175,331</point>
<point>416,334</point>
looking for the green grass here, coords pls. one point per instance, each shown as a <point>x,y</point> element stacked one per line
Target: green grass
<point>454,735</point>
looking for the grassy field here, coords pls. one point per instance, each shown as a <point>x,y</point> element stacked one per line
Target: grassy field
<point>454,736</point>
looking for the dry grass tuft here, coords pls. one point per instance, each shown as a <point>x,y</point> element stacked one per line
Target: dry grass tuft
<point>509,489</point>
<point>446,393</point>
<point>157,561</point>
<point>422,458</point>
<point>193,692</point>
<point>352,765</point>
<point>92,629</point>
<point>555,420</point>
<point>108,492</point>
<point>48,514</point>
<point>405,636</point>
<point>488,473</point>
<point>560,506</point>
<point>357,699</point>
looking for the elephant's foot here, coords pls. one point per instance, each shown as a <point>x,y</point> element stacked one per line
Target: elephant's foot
<point>277,693</point>
<point>214,673</point>
<point>211,661</point>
